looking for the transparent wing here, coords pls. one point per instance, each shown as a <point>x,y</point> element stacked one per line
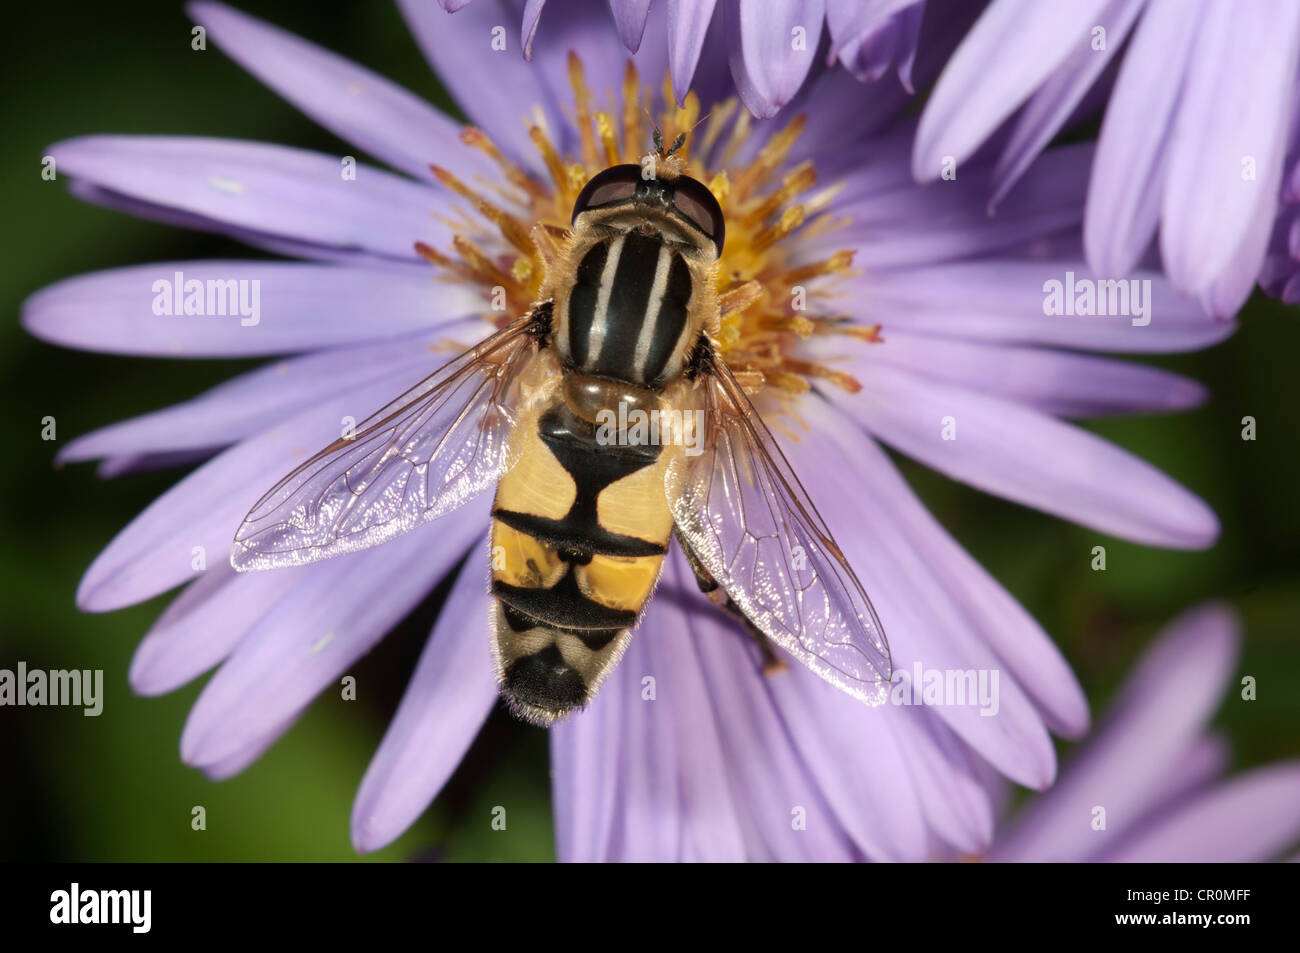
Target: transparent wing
<point>431,450</point>
<point>751,524</point>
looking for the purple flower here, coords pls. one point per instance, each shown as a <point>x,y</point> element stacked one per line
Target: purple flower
<point>1146,786</point>
<point>771,46</point>
<point>866,306</point>
<point>1280,276</point>
<point>1198,132</point>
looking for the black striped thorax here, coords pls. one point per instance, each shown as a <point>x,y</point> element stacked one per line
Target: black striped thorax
<point>626,314</point>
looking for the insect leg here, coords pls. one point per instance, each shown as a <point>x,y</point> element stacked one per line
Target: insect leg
<point>540,322</point>
<point>718,596</point>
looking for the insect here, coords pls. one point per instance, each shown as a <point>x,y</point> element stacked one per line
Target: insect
<point>609,425</point>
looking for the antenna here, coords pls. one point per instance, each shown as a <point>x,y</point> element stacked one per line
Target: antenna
<point>657,137</point>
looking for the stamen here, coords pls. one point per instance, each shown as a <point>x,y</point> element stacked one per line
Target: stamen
<point>802,178</point>
<point>473,256</point>
<point>577,178</point>
<point>790,219</point>
<point>770,157</point>
<point>718,120</point>
<point>797,325</point>
<point>608,138</point>
<point>862,332</point>
<point>739,297</point>
<point>431,254</point>
<point>554,165</point>
<point>739,133</point>
<point>546,243</point>
<point>840,379</point>
<point>789,382</point>
<point>720,186</point>
<point>582,107</point>
<point>633,139</point>
<point>513,173</point>
<point>838,264</point>
<point>522,270</point>
<point>513,230</point>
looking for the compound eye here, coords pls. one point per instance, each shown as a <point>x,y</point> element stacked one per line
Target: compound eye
<point>611,187</point>
<point>696,204</point>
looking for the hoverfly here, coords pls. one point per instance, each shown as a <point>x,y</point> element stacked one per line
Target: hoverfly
<point>547,410</point>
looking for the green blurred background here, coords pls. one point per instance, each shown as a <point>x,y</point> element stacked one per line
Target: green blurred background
<point>113,788</point>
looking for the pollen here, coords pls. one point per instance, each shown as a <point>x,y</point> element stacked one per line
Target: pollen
<point>512,225</point>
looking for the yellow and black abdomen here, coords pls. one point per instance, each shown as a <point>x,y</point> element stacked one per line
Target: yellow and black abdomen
<point>579,534</point>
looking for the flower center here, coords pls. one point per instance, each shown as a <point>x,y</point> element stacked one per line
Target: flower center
<point>769,305</point>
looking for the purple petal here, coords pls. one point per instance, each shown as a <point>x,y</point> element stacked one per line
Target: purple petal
<point>877,169</point>
<point>857,757</point>
<point>911,20</point>
<point>868,38</point>
<point>769,60</point>
<point>859,145</point>
<point>245,756</point>
<point>655,766</point>
<point>947,780</point>
<point>593,760</point>
<point>1003,300</point>
<point>155,551</point>
<point>766,768</point>
<point>475,57</point>
<point>1025,456</point>
<point>276,244</point>
<point>1199,767</point>
<point>652,819</point>
<point>283,193</point>
<point>250,403</point>
<point>204,624</point>
<point>708,797</point>
<point>852,20</point>
<point>1013,47</point>
<point>1055,102</point>
<point>123,464</point>
<point>991,614</point>
<point>1132,149</point>
<point>447,701</point>
<point>673,800</point>
<point>849,751</point>
<point>1060,383</point>
<point>586,752</point>
<point>354,103</point>
<point>298,306</point>
<point>1228,291</point>
<point>336,612</point>
<point>871,58</point>
<point>688,25</point>
<point>1254,817</point>
<point>924,624</point>
<point>1162,708</point>
<point>630,17</point>
<point>841,128</point>
<point>1235,107</point>
<point>944,25</point>
<point>585,28</point>
<point>948,220</point>
<point>528,28</point>
<point>710,829</point>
